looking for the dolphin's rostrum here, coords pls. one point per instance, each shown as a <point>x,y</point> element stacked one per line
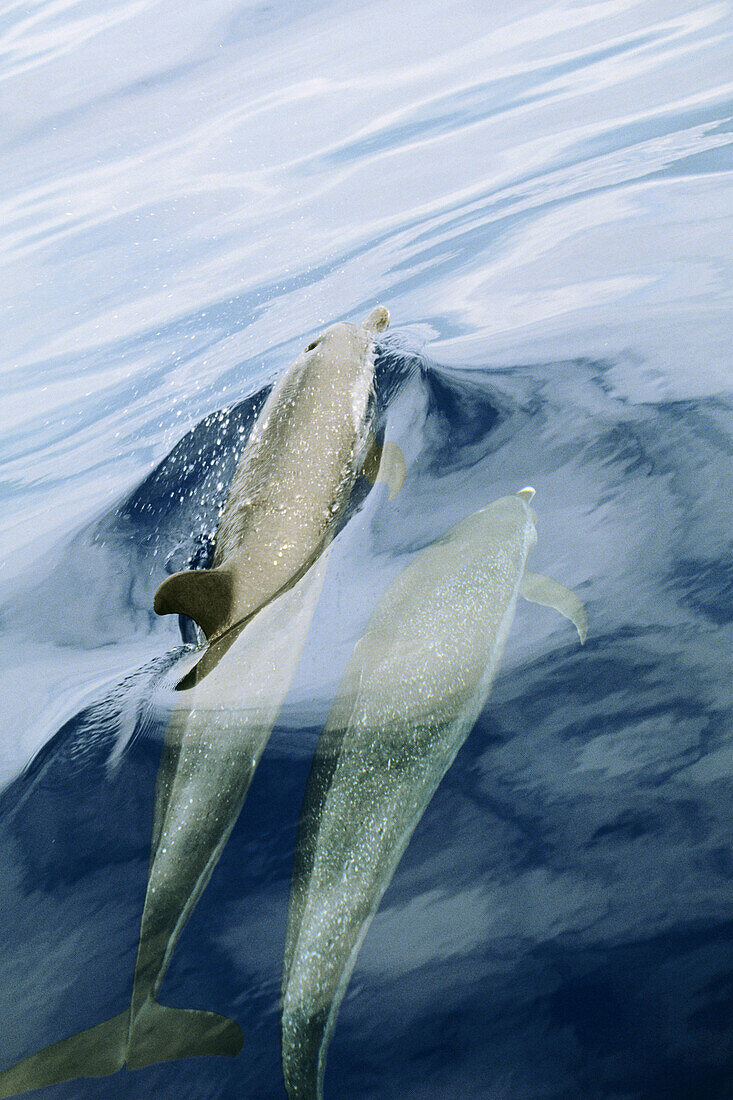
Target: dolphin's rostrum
<point>417,680</point>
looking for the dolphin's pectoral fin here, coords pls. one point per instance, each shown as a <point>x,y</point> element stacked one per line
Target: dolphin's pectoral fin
<point>96,1052</point>
<point>543,590</point>
<point>392,468</point>
<point>205,595</point>
<point>387,464</point>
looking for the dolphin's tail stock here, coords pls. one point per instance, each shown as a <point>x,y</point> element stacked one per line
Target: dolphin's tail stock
<point>159,1034</point>
<point>212,655</point>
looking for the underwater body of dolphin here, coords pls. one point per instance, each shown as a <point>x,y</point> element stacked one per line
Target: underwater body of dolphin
<point>297,470</point>
<point>209,758</point>
<point>415,685</point>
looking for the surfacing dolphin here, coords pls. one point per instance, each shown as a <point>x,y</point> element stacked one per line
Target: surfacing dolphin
<point>416,683</point>
<point>209,758</point>
<point>310,442</point>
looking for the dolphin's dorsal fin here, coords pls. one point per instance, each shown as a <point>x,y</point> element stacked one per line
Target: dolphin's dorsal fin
<point>543,590</point>
<point>205,595</point>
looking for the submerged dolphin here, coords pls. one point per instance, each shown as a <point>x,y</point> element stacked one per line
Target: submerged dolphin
<point>310,441</point>
<point>414,687</point>
<point>208,761</point>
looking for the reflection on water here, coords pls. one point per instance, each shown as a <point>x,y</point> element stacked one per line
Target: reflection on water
<point>541,195</point>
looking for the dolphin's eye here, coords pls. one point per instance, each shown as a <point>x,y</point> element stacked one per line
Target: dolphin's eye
<point>313,344</point>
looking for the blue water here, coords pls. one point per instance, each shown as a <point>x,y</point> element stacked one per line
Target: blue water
<point>541,196</point>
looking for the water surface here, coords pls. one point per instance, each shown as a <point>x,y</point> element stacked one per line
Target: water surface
<point>540,195</point>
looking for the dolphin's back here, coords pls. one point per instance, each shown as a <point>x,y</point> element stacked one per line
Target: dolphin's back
<point>291,484</point>
<point>298,461</point>
<point>441,627</point>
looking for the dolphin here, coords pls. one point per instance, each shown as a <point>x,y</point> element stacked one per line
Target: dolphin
<point>309,443</point>
<point>209,757</point>
<point>415,684</point>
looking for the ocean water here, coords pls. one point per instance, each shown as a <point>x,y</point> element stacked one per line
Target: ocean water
<point>540,194</point>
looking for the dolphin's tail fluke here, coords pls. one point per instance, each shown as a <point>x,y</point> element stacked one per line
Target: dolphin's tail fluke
<point>163,1034</point>
<point>95,1052</point>
<point>160,1034</point>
